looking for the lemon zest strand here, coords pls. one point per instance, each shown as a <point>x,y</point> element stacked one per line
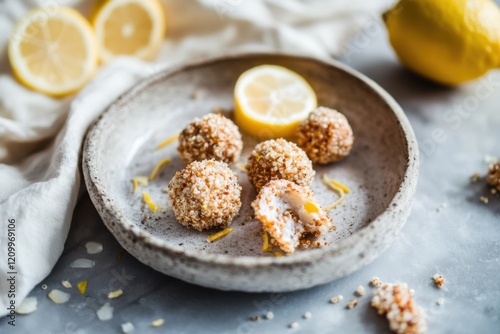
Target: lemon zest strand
<point>140,180</point>
<point>82,287</point>
<point>220,234</point>
<point>149,202</point>
<point>278,254</point>
<point>341,186</point>
<point>335,188</point>
<point>158,167</point>
<point>167,141</point>
<point>265,241</point>
<point>115,294</point>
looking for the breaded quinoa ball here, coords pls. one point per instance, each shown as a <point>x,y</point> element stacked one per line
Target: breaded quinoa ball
<point>325,135</point>
<point>279,159</point>
<point>211,137</point>
<point>493,178</point>
<point>288,212</point>
<point>205,194</point>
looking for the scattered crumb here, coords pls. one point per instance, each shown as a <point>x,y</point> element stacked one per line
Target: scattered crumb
<point>127,328</point>
<point>157,322</point>
<point>58,297</point>
<point>307,315</point>
<point>352,304</point>
<point>82,287</point>
<point>360,291</point>
<point>441,207</point>
<point>484,199</point>
<point>120,255</point>
<point>397,303</point>
<point>376,282</point>
<point>115,294</point>
<point>44,286</point>
<point>255,318</point>
<point>82,263</point>
<point>249,218</point>
<point>475,177</point>
<point>439,280</point>
<point>66,284</point>
<point>494,191</point>
<point>440,301</point>
<point>105,312</point>
<point>336,299</point>
<point>197,94</point>
<point>93,247</point>
<point>293,324</point>
<point>269,315</point>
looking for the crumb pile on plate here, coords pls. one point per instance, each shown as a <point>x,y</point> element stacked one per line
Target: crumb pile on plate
<point>211,137</point>
<point>279,160</point>
<point>205,194</point>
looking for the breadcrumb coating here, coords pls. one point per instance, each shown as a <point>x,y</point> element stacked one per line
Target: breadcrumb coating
<point>325,136</point>
<point>205,194</point>
<point>397,303</point>
<point>211,137</point>
<point>494,176</point>
<point>279,159</point>
<point>284,209</point>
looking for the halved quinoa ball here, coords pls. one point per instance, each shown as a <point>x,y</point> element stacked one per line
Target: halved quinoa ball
<point>211,137</point>
<point>289,212</point>
<point>279,159</point>
<point>205,194</point>
<point>325,136</point>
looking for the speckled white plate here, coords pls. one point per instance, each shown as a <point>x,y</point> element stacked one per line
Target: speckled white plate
<point>381,172</point>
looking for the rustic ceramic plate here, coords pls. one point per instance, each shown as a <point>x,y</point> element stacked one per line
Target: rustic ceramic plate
<point>381,173</point>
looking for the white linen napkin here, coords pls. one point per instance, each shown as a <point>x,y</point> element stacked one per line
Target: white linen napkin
<point>41,137</point>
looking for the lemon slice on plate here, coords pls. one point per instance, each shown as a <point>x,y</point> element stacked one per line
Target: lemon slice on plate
<point>53,51</point>
<point>271,100</point>
<point>129,27</point>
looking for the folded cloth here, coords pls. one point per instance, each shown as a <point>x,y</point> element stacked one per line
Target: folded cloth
<point>41,137</point>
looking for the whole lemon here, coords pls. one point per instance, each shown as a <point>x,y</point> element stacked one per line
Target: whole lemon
<point>448,41</point>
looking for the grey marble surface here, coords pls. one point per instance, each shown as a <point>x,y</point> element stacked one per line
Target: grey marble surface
<point>456,128</point>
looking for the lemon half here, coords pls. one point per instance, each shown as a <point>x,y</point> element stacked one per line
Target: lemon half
<point>53,50</point>
<point>129,27</point>
<point>270,101</point>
